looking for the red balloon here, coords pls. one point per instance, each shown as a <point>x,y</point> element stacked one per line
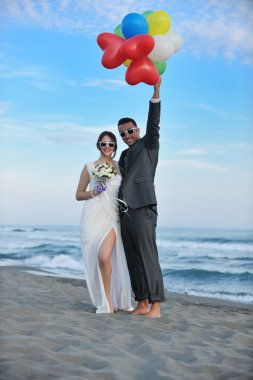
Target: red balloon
<point>111,44</point>
<point>138,46</point>
<point>117,50</point>
<point>142,70</point>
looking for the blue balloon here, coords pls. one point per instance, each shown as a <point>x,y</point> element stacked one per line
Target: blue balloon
<point>134,24</point>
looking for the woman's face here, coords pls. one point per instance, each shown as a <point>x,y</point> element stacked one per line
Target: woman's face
<point>107,146</point>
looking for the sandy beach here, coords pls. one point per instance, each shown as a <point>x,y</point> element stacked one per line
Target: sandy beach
<point>49,330</point>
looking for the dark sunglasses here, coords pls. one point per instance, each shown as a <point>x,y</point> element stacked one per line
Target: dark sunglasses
<point>129,131</point>
<point>110,144</point>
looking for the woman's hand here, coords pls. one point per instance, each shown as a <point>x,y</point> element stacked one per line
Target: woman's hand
<point>100,187</point>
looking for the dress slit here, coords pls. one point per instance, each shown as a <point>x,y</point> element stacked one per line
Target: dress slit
<point>104,237</point>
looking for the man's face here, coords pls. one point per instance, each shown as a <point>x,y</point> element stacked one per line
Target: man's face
<point>129,133</point>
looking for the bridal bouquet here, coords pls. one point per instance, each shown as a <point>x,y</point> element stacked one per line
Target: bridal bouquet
<point>103,171</point>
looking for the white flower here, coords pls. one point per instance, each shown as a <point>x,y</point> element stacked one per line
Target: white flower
<point>104,171</point>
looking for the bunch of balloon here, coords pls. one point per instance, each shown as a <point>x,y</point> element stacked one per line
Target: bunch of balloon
<point>143,43</point>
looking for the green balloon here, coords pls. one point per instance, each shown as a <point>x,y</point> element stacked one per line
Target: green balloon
<point>146,14</point>
<point>161,66</point>
<point>118,31</point>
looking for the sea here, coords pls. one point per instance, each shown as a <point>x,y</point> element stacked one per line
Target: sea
<point>215,263</point>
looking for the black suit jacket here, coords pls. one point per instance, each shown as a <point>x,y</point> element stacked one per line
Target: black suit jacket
<point>138,164</point>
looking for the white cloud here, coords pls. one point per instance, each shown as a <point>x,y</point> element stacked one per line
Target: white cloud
<point>41,77</point>
<point>6,72</point>
<point>220,28</point>
<point>194,152</point>
<point>195,165</point>
<point>109,84</point>
<point>216,111</point>
<point>216,149</point>
<point>62,132</point>
<point>34,75</point>
<point>210,27</point>
<point>42,85</point>
<point>5,107</point>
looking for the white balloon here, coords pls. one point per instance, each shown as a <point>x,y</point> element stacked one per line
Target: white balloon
<point>163,49</point>
<point>175,39</point>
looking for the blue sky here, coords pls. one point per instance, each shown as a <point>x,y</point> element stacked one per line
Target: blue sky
<point>56,97</point>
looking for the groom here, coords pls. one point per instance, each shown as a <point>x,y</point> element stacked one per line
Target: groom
<point>138,165</point>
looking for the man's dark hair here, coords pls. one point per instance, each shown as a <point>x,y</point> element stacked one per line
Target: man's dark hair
<point>125,120</point>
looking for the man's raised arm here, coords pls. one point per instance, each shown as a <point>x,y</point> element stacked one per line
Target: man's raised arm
<point>152,132</point>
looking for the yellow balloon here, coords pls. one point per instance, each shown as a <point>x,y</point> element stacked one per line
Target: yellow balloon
<point>159,22</point>
<point>127,62</point>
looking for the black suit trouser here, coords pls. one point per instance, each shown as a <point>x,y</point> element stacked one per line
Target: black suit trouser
<point>138,229</point>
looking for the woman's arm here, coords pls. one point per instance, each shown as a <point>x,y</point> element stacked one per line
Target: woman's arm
<point>81,193</point>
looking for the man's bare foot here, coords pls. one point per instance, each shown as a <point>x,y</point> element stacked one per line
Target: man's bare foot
<point>155,311</point>
<point>140,311</point>
<point>151,314</point>
<point>142,308</point>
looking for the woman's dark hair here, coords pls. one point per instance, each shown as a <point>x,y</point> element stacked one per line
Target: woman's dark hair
<point>112,137</point>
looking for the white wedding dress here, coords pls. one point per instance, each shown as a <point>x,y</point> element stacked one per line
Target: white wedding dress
<point>99,216</point>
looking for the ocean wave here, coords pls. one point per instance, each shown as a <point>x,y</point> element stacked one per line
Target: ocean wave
<point>59,261</point>
<point>223,240</point>
<point>13,256</point>
<point>22,229</point>
<point>26,247</point>
<point>190,258</point>
<point>52,247</point>
<point>192,245</point>
<point>235,297</point>
<point>210,263</point>
<point>200,274</point>
<point>62,238</point>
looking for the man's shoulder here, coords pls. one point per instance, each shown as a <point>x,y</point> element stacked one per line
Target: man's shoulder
<point>123,153</point>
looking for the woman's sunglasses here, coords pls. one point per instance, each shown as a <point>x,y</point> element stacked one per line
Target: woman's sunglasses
<point>107,144</point>
<point>129,131</point>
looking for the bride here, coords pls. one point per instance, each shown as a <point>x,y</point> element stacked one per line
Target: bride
<point>102,248</point>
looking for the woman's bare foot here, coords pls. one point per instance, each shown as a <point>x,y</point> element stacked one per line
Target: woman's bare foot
<point>112,309</point>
